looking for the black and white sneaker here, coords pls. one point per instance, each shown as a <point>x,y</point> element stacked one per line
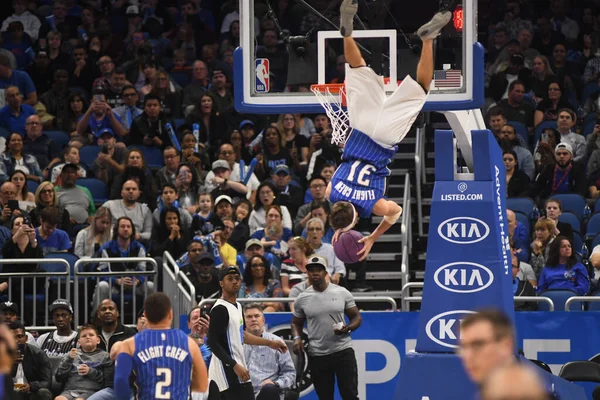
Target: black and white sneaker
<point>348,10</point>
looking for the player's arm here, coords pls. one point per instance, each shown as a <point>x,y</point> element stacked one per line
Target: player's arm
<point>123,368</point>
<point>219,320</point>
<point>391,213</point>
<point>199,373</point>
<point>258,341</point>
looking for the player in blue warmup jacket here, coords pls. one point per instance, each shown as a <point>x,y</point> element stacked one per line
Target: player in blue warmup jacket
<point>378,123</point>
<point>165,361</point>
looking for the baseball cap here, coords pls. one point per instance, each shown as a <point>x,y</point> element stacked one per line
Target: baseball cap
<point>61,303</point>
<point>282,168</point>
<point>224,271</point>
<point>517,59</point>
<point>246,122</point>
<point>223,197</point>
<point>220,164</point>
<point>9,306</point>
<point>105,130</point>
<point>253,242</point>
<point>317,261</point>
<point>564,146</point>
<point>133,10</point>
<point>69,166</point>
<point>206,256</point>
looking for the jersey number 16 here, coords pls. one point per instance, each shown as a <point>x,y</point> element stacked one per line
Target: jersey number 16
<point>364,172</point>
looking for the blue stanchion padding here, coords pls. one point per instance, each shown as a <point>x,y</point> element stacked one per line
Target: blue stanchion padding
<point>468,261</point>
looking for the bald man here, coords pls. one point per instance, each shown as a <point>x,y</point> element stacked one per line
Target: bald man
<point>513,382</point>
<point>517,232</point>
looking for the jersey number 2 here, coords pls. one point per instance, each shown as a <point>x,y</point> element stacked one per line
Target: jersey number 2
<point>160,393</point>
<point>362,174</point>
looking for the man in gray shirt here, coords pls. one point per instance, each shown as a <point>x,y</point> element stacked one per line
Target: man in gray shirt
<point>330,354</point>
<point>128,206</point>
<point>77,200</point>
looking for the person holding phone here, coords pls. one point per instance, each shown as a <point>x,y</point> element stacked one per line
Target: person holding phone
<point>198,324</point>
<point>9,203</point>
<point>150,128</point>
<point>97,118</point>
<point>111,159</point>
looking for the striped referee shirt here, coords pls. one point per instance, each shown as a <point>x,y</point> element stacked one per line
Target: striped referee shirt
<point>265,363</point>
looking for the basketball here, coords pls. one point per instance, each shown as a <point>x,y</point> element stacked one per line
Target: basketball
<point>347,246</point>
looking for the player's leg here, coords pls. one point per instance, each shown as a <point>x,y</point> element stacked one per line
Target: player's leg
<point>425,66</point>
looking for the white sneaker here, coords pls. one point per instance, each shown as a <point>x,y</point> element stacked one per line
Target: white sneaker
<point>432,29</point>
<point>348,10</point>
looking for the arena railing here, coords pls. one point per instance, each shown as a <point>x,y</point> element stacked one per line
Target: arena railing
<point>420,172</point>
<point>406,229</point>
<point>585,299</point>
<point>82,276</point>
<point>357,299</point>
<point>29,303</point>
<point>520,299</point>
<point>178,287</point>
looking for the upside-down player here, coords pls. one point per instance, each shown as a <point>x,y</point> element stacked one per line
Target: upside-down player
<point>166,362</point>
<point>378,123</point>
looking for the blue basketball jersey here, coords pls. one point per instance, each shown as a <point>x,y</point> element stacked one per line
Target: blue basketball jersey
<point>162,364</point>
<point>361,177</point>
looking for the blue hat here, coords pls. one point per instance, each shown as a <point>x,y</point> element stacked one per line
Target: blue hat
<point>282,168</point>
<point>246,122</point>
<point>105,130</point>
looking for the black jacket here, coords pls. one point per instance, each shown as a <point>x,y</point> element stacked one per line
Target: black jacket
<point>525,289</point>
<point>36,367</point>
<point>142,127</point>
<point>542,189</point>
<point>121,333</point>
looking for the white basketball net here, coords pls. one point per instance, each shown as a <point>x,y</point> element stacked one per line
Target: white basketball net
<point>332,103</point>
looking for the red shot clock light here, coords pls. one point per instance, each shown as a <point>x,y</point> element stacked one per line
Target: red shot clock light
<point>457,18</point>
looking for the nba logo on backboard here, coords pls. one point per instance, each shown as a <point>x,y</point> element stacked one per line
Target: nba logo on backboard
<point>262,82</point>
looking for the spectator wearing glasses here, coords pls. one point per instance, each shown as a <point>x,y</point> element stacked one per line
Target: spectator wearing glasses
<point>227,153</point>
<point>37,144</point>
<point>45,196</point>
<point>316,185</point>
<point>168,173</point>
<point>315,228</point>
<point>128,111</point>
<point>14,114</point>
<point>547,109</point>
<point>8,202</point>
<point>14,159</point>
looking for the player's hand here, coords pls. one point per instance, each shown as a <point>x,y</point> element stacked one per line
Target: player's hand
<point>368,243</point>
<point>342,331</point>
<point>83,369</point>
<point>241,372</point>
<point>277,345</point>
<point>336,236</point>
<point>73,353</point>
<point>298,346</point>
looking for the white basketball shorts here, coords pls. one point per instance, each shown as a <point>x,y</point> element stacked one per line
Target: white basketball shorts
<point>384,119</point>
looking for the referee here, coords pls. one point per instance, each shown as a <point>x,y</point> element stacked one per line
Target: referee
<point>330,353</point>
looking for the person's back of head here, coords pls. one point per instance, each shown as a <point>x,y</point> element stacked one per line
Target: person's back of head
<point>157,308</point>
<point>342,215</point>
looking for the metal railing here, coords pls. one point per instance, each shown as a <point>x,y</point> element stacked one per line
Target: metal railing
<point>30,307</point>
<point>406,231</point>
<point>359,299</point>
<point>406,291</point>
<point>521,299</point>
<point>87,299</point>
<point>590,299</point>
<point>178,287</point>
<point>420,172</point>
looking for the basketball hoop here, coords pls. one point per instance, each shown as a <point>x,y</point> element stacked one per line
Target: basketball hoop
<point>332,97</point>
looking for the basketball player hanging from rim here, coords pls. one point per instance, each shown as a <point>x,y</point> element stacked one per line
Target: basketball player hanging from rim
<point>377,125</point>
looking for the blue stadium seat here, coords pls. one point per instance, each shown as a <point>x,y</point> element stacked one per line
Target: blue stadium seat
<point>574,203</point>
<point>32,186</point>
<point>571,219</point>
<point>559,297</point>
<point>595,242</point>
<point>540,128</point>
<point>70,258</point>
<point>524,219</point>
<point>594,305</point>
<point>520,204</point>
<point>60,137</point>
<point>520,128</point>
<point>97,188</point>
<point>588,90</point>
<point>588,127</point>
<point>152,155</point>
<point>588,118</point>
<point>178,122</point>
<point>593,226</point>
<point>577,242</point>
<point>88,154</point>
<point>182,78</point>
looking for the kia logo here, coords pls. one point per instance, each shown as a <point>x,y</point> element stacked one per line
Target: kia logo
<point>444,328</point>
<point>463,277</point>
<point>463,230</point>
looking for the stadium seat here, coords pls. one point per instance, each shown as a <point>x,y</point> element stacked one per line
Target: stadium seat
<point>181,78</point>
<point>571,219</point>
<point>60,137</point>
<point>593,226</point>
<point>588,128</point>
<point>520,204</point>
<point>595,242</point>
<point>574,203</point>
<point>178,122</point>
<point>68,257</point>
<point>97,188</point>
<point>152,155</point>
<point>32,185</point>
<point>520,128</point>
<point>577,241</point>
<point>580,371</point>
<point>542,365</point>
<point>559,297</point>
<point>588,118</point>
<point>594,305</point>
<point>595,358</point>
<point>524,219</point>
<point>588,90</point>
<point>540,128</point>
<point>88,154</point>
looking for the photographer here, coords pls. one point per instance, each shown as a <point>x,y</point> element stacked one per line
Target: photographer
<point>97,118</point>
<point>111,159</point>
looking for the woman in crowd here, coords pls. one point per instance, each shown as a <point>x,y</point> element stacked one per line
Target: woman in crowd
<point>540,246</point>
<point>14,159</point>
<point>293,270</point>
<point>554,209</point>
<point>136,169</point>
<point>45,196</point>
<point>267,195</point>
<point>199,160</point>
<point>75,108</point>
<point>517,181</point>
<point>169,94</point>
<point>150,70</point>
<point>211,124</point>
<point>544,153</point>
<point>547,109</point>
<point>541,77</point>
<point>241,232</point>
<point>241,151</point>
<point>91,239</point>
<point>186,182</point>
<point>274,233</point>
<point>20,180</point>
<point>274,153</point>
<point>169,235</point>
<point>292,140</point>
<point>562,270</point>
<point>258,283</point>
<point>70,156</point>
<point>321,210</point>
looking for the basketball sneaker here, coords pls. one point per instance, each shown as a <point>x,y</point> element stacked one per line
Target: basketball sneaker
<point>432,29</point>
<point>448,5</point>
<point>348,10</point>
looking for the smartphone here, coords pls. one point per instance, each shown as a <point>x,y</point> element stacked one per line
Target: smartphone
<point>98,97</point>
<point>21,348</point>
<point>184,174</point>
<point>104,148</point>
<point>27,221</point>
<point>13,204</point>
<point>545,137</point>
<point>204,311</point>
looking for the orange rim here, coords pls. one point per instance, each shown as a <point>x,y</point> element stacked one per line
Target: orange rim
<point>333,88</point>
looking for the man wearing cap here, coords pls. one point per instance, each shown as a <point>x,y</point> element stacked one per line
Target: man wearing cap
<point>111,161</point>
<point>201,271</point>
<point>58,343</point>
<point>98,117</point>
<point>37,144</point>
<point>9,312</point>
<point>14,114</point>
<point>223,184</point>
<point>290,194</point>
<point>565,122</point>
<point>224,206</point>
<point>515,109</point>
<point>564,177</point>
<point>330,355</point>
<point>226,337</point>
<point>254,247</point>
<point>220,91</point>
<point>77,200</point>
<point>226,153</point>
